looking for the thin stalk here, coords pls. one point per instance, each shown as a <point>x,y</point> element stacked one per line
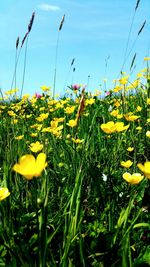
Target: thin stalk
<point>129,35</point>
<point>16,63</point>
<point>55,70</point>
<point>24,68</point>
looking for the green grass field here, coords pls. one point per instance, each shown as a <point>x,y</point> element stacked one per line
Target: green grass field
<point>75,177</point>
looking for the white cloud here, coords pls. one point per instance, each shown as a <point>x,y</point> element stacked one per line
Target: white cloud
<point>47,7</point>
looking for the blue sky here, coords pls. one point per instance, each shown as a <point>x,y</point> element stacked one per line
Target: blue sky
<point>93,31</point>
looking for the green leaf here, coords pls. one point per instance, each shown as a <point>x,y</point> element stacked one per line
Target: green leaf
<point>141,225</point>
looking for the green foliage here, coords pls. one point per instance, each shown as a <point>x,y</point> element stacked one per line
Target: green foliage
<point>80,211</point>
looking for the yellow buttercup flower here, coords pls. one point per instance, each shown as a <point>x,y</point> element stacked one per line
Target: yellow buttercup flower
<point>36,147</point>
<point>126,164</point>
<point>111,127</point>
<point>120,127</point>
<point>72,123</point>
<point>4,192</point>
<point>45,88</point>
<point>89,101</point>
<point>148,134</point>
<point>134,178</point>
<point>69,110</point>
<point>130,149</point>
<point>139,108</point>
<point>145,168</point>
<point>30,167</point>
<point>148,101</point>
<point>19,137</point>
<point>129,117</point>
<point>77,140</point>
<point>146,58</point>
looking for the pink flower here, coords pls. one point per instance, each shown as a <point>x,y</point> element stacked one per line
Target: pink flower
<point>107,93</point>
<point>37,95</point>
<point>76,86</point>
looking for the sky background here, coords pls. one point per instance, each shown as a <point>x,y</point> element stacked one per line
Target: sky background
<point>95,33</point>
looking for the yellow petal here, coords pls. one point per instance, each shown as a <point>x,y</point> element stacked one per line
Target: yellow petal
<point>4,193</point>
<point>40,164</point>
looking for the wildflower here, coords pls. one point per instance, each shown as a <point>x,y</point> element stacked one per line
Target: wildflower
<point>148,134</point>
<point>104,177</point>
<point>145,168</point>
<point>45,88</point>
<point>4,192</point>
<point>36,147</point>
<point>148,101</point>
<point>130,149</point>
<point>120,127</point>
<point>134,178</point>
<point>42,117</point>
<point>72,123</point>
<point>126,164</point>
<point>117,88</point>
<point>77,140</point>
<point>89,101</point>
<point>37,95</point>
<point>146,58</point>
<point>19,137</point>
<point>30,167</point>
<point>14,121</point>
<point>124,80</point>
<point>33,134</point>
<point>69,110</point>
<point>139,128</point>
<point>75,87</point>
<point>131,117</point>
<point>138,108</point>
<point>114,112</point>
<point>111,127</point>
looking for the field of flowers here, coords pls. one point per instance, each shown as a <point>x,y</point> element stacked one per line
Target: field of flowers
<point>75,177</point>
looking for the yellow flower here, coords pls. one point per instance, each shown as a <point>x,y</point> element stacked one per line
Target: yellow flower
<point>138,108</point>
<point>111,127</point>
<point>42,117</point>
<point>146,58</point>
<point>120,127</point>
<point>129,117</point>
<point>30,167</point>
<point>45,88</point>
<point>36,147</point>
<point>114,112</point>
<point>4,192</point>
<point>89,101</point>
<point>139,128</point>
<point>19,137</point>
<point>72,123</point>
<point>134,178</point>
<point>126,164</point>
<point>108,127</point>
<point>77,140</point>
<point>148,101</point>
<point>69,110</point>
<point>130,149</point>
<point>148,134</point>
<point>124,80</point>
<point>145,168</point>
<point>33,134</point>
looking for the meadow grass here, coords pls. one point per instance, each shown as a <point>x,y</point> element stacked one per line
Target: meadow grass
<point>75,172</point>
<point>78,211</point>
